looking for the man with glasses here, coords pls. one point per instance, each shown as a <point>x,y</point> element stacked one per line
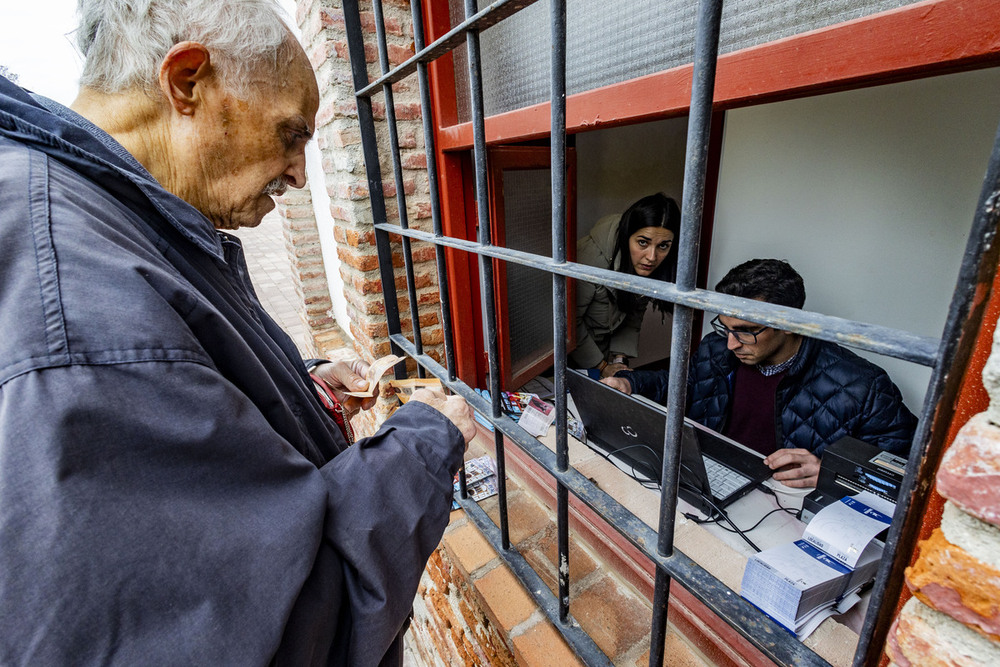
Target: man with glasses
<point>780,393</point>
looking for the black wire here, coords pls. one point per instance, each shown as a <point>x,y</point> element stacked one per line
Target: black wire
<point>708,499</point>
<point>725,516</point>
<point>777,500</point>
<point>645,482</point>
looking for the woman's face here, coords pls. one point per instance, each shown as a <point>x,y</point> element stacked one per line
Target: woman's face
<point>648,247</point>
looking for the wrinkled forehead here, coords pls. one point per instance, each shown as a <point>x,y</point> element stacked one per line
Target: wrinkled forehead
<point>290,92</point>
<point>294,88</point>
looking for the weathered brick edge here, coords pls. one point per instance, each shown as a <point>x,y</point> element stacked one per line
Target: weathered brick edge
<point>298,224</point>
<point>954,616</point>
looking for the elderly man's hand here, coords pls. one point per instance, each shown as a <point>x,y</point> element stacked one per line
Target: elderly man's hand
<point>453,407</point>
<point>343,376</point>
<point>797,468</point>
<point>621,384</point>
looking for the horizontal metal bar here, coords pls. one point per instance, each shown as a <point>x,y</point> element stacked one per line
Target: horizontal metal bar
<point>579,641</point>
<point>881,340</point>
<point>482,20</point>
<point>770,638</point>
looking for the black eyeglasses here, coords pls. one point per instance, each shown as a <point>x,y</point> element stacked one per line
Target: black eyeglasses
<point>744,337</point>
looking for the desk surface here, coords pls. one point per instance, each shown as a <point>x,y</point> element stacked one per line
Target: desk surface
<point>721,552</point>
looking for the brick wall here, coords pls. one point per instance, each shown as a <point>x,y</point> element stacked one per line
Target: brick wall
<point>308,273</point>
<point>339,139</point>
<point>472,610</point>
<point>953,617</point>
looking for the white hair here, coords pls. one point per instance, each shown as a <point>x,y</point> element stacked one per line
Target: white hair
<point>124,41</point>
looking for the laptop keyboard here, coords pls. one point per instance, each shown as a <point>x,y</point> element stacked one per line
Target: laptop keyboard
<point>722,480</point>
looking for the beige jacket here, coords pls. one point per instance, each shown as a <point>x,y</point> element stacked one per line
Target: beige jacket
<point>601,327</point>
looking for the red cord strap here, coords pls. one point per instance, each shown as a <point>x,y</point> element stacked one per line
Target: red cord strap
<point>333,406</point>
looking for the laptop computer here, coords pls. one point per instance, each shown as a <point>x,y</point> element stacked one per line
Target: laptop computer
<point>630,429</point>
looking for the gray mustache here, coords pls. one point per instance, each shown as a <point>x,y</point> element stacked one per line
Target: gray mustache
<point>276,188</point>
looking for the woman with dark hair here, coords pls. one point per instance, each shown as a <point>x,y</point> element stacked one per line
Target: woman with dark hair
<point>638,243</point>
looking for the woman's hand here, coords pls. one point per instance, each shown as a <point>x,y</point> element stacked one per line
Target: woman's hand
<point>611,369</point>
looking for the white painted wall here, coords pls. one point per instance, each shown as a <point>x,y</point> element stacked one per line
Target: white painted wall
<point>324,223</point>
<point>615,167</point>
<point>869,194</point>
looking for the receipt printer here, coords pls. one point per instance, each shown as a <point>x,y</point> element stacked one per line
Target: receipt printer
<point>849,467</point>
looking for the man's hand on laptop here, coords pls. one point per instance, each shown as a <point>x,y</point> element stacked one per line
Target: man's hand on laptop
<point>794,467</point>
<point>621,384</point>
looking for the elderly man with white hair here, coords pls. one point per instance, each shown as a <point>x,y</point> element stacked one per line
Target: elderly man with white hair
<point>171,489</point>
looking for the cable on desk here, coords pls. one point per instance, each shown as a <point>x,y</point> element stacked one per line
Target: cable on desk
<point>649,484</point>
<point>721,514</point>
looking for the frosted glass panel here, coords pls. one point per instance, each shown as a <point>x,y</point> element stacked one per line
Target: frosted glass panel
<point>528,225</point>
<point>635,38</point>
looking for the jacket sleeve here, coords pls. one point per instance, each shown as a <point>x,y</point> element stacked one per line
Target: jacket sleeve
<point>587,354</point>
<point>886,422</point>
<point>385,528</point>
<point>625,340</point>
<point>151,514</point>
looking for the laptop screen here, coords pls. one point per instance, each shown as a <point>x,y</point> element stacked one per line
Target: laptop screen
<point>632,430</point>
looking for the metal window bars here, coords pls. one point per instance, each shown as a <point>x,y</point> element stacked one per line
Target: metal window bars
<point>947,356</point>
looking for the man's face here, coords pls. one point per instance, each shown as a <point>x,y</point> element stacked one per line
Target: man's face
<point>247,150</point>
<point>773,346</point>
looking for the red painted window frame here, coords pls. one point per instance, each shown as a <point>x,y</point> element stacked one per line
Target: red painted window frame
<point>500,159</point>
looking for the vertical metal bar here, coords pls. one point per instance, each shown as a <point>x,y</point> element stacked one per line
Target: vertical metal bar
<point>397,171</point>
<point>432,182</point>
<point>695,166</point>
<point>977,272</point>
<point>369,146</point>
<point>557,140</point>
<point>485,263</point>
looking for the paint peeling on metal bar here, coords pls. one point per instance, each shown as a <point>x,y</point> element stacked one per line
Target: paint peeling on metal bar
<point>765,634</point>
<point>397,172</point>
<point>578,640</point>
<point>432,185</point>
<point>860,335</point>
<point>557,162</point>
<point>454,38</point>
<point>369,145</point>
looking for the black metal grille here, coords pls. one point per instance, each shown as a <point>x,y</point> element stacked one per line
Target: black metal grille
<point>944,356</point>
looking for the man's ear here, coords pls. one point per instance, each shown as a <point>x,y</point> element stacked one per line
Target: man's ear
<point>183,73</point>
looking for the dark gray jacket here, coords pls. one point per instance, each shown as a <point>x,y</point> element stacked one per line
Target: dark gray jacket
<point>171,491</point>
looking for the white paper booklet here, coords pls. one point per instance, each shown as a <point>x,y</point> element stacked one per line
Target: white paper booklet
<point>801,583</point>
<point>847,528</point>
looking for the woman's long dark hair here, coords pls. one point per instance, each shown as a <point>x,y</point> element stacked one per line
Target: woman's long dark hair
<point>656,210</point>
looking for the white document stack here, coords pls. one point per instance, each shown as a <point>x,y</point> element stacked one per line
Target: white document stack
<point>801,583</point>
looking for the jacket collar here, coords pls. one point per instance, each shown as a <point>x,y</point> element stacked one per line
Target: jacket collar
<point>804,357</point>
<point>64,135</point>
<point>726,362</point>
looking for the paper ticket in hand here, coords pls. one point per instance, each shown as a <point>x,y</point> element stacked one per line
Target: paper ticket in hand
<point>375,372</point>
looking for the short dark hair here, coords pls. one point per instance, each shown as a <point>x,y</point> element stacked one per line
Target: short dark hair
<point>656,210</point>
<point>770,280</point>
